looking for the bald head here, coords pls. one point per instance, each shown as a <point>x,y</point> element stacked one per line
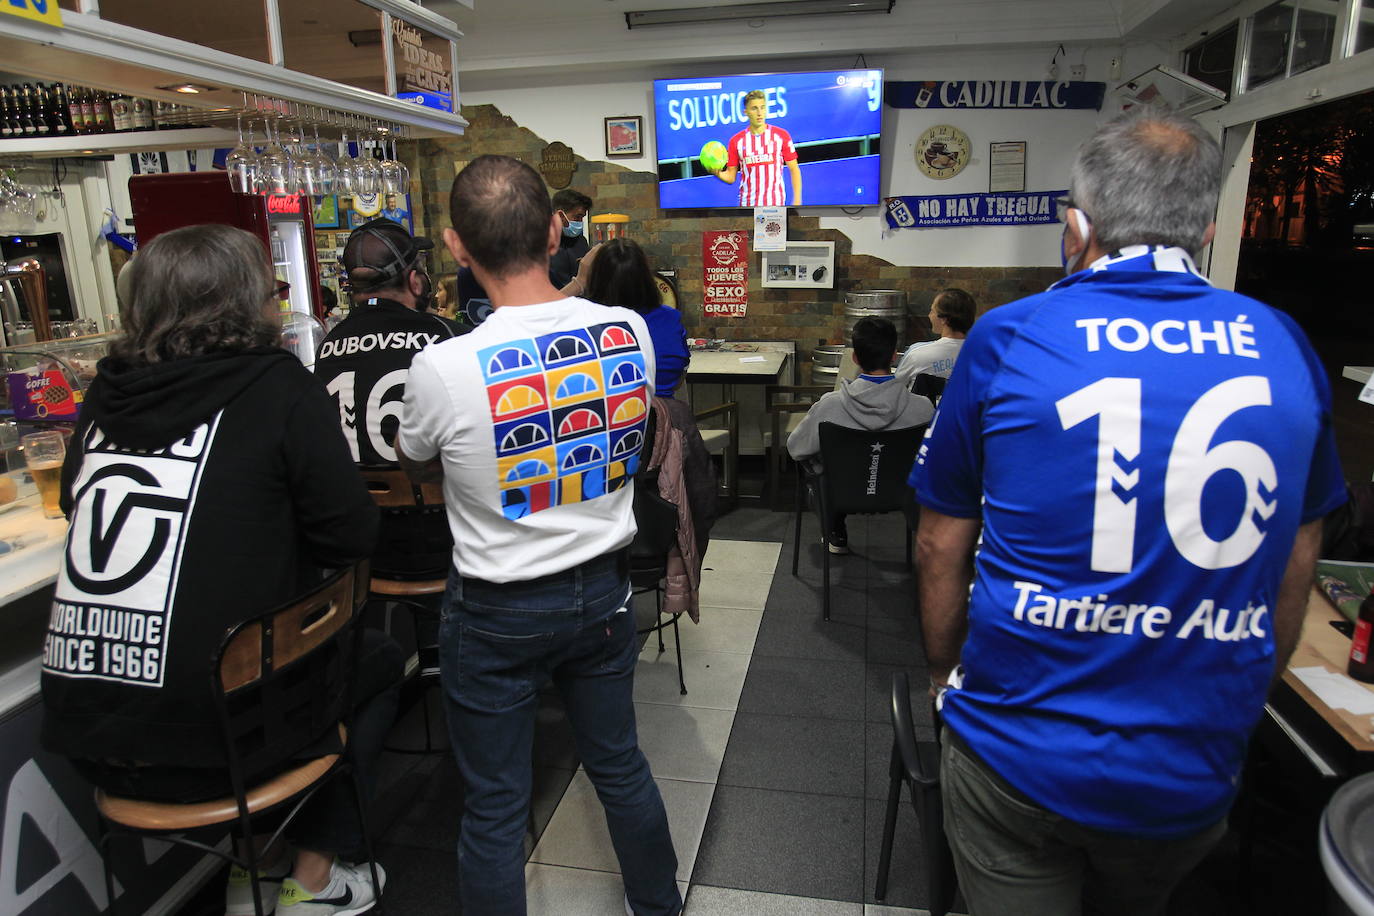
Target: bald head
<point>1148,177</point>
<point>501,212</point>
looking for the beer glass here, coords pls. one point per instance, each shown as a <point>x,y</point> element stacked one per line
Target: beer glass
<point>43,453</point>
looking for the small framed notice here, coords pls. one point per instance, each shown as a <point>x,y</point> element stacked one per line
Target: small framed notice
<point>1007,166</point>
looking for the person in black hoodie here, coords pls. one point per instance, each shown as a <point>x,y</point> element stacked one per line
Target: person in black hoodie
<point>206,482</point>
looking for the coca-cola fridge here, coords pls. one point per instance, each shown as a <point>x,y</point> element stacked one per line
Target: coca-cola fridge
<point>163,202</point>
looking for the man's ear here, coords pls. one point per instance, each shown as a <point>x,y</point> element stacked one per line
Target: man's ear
<point>1075,239</point>
<point>455,248</point>
<point>555,233</point>
<point>1208,234</point>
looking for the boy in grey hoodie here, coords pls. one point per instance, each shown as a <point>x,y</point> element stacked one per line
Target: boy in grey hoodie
<point>874,400</point>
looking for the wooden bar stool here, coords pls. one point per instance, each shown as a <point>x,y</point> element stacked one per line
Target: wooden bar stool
<point>392,489</point>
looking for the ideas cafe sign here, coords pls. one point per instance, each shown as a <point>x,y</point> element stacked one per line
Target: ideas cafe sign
<point>424,75</point>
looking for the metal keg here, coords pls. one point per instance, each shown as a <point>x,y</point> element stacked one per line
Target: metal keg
<point>825,364</point>
<point>875,303</point>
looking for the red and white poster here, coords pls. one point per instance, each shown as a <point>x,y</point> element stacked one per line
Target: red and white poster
<point>725,274</point>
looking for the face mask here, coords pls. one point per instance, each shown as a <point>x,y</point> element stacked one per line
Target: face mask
<point>573,229</point>
<point>1081,222</point>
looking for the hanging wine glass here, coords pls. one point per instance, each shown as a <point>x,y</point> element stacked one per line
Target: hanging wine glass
<point>242,161</point>
<point>325,169</point>
<point>275,164</point>
<point>391,169</point>
<point>346,168</point>
<point>369,172</point>
<point>405,169</point>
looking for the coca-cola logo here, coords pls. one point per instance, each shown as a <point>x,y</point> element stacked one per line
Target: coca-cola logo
<point>291,205</point>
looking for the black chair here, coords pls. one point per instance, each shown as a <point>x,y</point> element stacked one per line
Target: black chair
<point>864,473</point>
<point>391,488</point>
<point>791,402</point>
<point>656,534</point>
<point>917,764</point>
<point>274,677</point>
<point>930,386</point>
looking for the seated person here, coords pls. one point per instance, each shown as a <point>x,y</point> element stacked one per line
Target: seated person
<point>951,315</point>
<point>364,362</point>
<point>243,495</point>
<point>871,401</point>
<point>617,273</point>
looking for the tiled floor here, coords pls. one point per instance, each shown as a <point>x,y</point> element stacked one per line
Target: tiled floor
<point>772,766</point>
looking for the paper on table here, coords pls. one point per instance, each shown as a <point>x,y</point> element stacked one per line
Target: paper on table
<point>1367,392</point>
<point>1336,690</point>
<point>752,359</point>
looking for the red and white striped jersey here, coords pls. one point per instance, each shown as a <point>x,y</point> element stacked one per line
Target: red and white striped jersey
<point>760,158</point>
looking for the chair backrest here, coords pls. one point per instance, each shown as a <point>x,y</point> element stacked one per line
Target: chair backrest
<point>656,519</point>
<point>865,470</point>
<point>391,488</point>
<point>930,386</point>
<point>281,679</point>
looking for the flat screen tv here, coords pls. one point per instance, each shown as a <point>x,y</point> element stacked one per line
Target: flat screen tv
<point>822,126</point>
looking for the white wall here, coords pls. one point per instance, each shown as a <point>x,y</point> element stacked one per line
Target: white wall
<point>572,109</point>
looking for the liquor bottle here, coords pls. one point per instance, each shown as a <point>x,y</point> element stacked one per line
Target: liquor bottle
<point>1361,666</point>
<point>27,126</point>
<point>122,113</point>
<point>143,114</point>
<point>87,111</point>
<point>40,111</point>
<point>57,112</point>
<point>104,118</point>
<point>62,110</point>
<point>162,115</point>
<point>6,122</point>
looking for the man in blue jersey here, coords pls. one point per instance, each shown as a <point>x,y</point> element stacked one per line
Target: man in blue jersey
<point>1147,460</point>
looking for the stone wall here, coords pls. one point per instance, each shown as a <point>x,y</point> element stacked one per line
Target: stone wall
<point>672,239</point>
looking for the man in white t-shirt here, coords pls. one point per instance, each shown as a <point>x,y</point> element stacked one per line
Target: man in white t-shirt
<point>951,316</point>
<point>535,421</point>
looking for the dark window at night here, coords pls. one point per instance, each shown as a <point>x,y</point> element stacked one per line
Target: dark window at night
<point>1213,60</point>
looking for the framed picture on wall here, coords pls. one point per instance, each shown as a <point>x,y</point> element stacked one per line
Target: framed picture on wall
<point>623,136</point>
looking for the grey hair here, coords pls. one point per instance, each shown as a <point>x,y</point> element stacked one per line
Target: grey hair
<point>1148,177</point>
<point>196,290</point>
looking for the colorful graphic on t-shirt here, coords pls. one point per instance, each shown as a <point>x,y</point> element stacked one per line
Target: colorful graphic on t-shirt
<point>568,412</point>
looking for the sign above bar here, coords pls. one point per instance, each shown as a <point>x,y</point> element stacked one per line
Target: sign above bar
<point>38,10</point>
<point>1048,95</point>
<point>424,71</point>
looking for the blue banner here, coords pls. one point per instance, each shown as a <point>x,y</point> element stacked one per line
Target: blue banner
<point>443,101</point>
<point>1048,95</point>
<point>1011,209</point>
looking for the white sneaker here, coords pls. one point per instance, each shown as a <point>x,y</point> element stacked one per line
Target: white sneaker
<point>238,893</point>
<point>348,893</point>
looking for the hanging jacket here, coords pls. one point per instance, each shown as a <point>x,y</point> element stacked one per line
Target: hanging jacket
<point>687,479</point>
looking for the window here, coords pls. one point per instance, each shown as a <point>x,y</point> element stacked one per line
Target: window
<point>1213,60</point>
<point>1289,37</point>
<point>1364,26</point>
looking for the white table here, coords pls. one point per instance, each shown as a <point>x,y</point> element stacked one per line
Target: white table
<point>719,367</point>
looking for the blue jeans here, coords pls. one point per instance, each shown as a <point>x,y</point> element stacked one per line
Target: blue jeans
<point>498,644</point>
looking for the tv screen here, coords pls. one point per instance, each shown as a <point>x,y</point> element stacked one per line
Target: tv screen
<point>820,127</point>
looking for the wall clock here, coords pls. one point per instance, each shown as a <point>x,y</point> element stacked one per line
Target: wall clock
<point>942,151</point>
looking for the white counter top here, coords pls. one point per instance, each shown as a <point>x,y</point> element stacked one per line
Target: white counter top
<point>34,566</point>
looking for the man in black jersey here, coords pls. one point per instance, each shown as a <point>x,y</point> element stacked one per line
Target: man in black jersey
<point>364,362</point>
